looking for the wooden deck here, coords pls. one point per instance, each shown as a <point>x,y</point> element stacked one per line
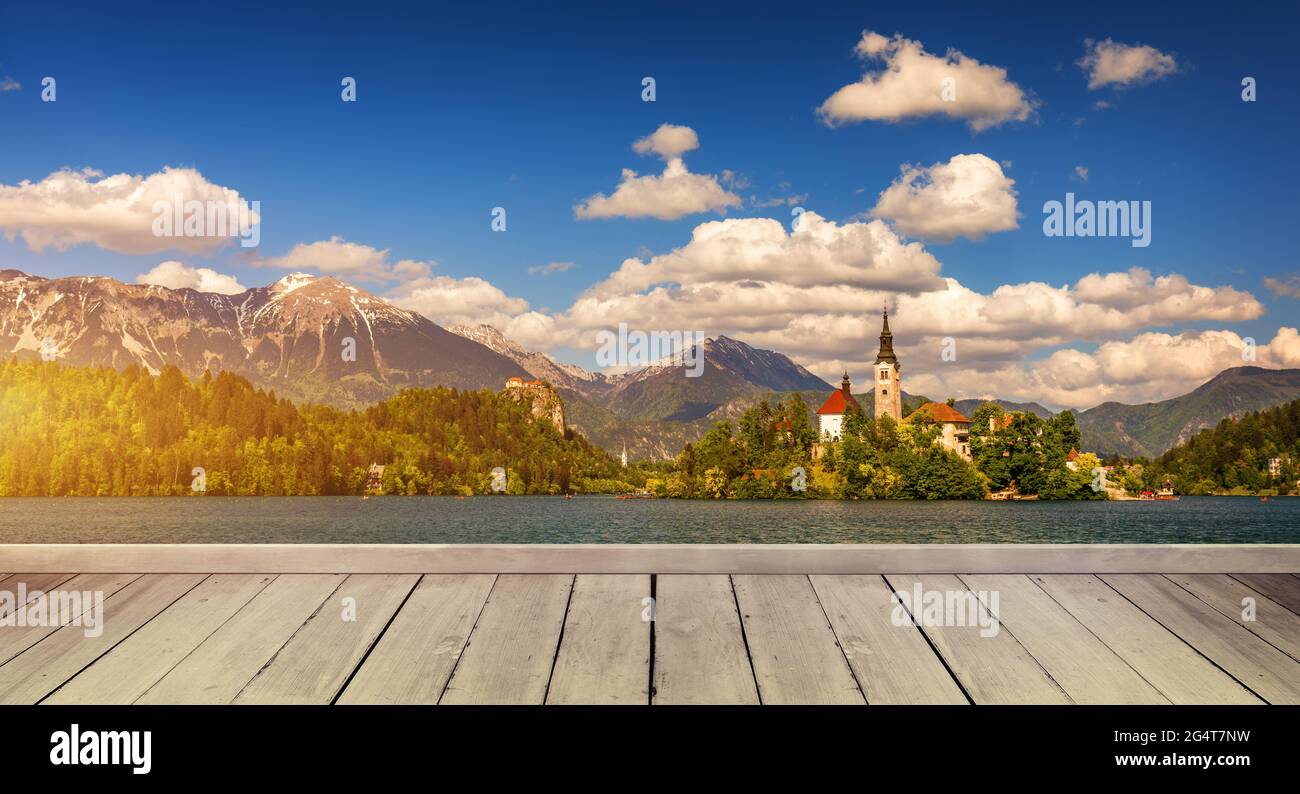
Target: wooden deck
<point>1114,635</point>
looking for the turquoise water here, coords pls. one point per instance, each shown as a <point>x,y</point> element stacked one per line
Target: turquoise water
<point>542,519</point>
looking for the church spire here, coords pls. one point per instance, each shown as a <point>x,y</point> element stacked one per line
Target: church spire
<point>886,342</point>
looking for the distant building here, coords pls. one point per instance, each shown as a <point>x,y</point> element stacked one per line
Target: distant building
<point>375,479</point>
<point>830,417</point>
<point>1071,459</point>
<point>955,435</point>
<point>1275,467</point>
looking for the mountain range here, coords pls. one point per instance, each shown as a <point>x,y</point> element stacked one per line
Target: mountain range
<point>316,338</point>
<point>1151,429</point>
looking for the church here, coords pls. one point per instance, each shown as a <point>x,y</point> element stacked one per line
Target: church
<point>888,392</point>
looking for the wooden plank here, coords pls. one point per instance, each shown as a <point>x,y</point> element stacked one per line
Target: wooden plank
<point>1180,673</point>
<point>315,664</point>
<point>1278,586</point>
<point>700,655</point>
<point>512,648</point>
<point>16,639</point>
<point>1089,671</point>
<point>1273,623</point>
<point>414,660</point>
<point>652,558</point>
<point>605,652</point>
<point>1267,671</point>
<point>227,660</point>
<point>992,666</point>
<point>894,663</point>
<point>33,674</point>
<point>28,586</point>
<point>135,664</point>
<point>795,654</point>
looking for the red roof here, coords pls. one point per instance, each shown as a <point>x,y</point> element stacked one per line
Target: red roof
<point>942,412</point>
<point>836,403</point>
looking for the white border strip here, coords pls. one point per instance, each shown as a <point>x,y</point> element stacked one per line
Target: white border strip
<point>802,558</point>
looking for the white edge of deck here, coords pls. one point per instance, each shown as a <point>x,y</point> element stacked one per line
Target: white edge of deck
<point>802,558</point>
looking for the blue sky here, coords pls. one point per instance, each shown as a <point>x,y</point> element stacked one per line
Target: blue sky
<point>460,111</point>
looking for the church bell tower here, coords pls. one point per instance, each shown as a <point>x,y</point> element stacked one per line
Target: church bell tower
<point>888,382</point>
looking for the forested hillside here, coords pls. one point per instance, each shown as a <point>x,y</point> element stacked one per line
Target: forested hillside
<point>1235,455</point>
<point>68,431</point>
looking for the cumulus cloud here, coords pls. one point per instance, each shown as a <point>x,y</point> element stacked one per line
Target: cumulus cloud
<point>177,275</point>
<point>69,208</point>
<point>551,268</point>
<point>668,196</point>
<point>1145,368</point>
<point>817,252</point>
<point>1081,173</point>
<point>464,301</point>
<point>814,294</point>
<point>968,196</point>
<point>1114,63</point>
<point>669,141</point>
<point>339,257</point>
<point>912,83</point>
<point>10,84</point>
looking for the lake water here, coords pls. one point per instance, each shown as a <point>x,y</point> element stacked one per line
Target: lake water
<point>593,519</point>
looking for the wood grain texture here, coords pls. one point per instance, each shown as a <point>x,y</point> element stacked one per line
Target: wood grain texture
<point>38,671</point>
<point>315,663</point>
<point>1084,666</point>
<point>512,648</point>
<point>795,654</point>
<point>27,587</point>
<point>652,558</point>
<point>227,660</point>
<point>135,664</point>
<point>415,658</point>
<point>16,639</point>
<point>700,655</point>
<point>1282,588</point>
<point>1272,622</point>
<point>893,663</point>
<point>1180,673</point>
<point>604,658</point>
<point>991,665</point>
<point>1267,671</point>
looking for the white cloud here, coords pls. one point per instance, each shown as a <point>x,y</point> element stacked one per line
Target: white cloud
<point>69,208</point>
<point>814,294</point>
<point>914,83</point>
<point>671,195</point>
<point>10,84</point>
<point>551,268</point>
<point>819,252</point>
<point>452,301</point>
<point>1114,63</point>
<point>1146,368</point>
<point>339,257</point>
<point>1081,173</point>
<point>968,196</point>
<point>177,275</point>
<point>669,141</point>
